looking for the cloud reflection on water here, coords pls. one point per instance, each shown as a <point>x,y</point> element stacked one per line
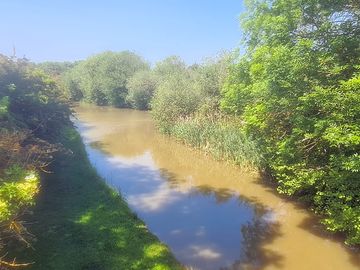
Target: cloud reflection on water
<point>153,201</point>
<point>205,252</point>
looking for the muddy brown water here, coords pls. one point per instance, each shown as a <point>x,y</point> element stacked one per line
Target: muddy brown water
<point>211,214</point>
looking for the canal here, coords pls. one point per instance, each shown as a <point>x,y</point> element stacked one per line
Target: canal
<point>211,214</point>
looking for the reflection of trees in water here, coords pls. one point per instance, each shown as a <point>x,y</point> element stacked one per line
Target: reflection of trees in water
<point>253,234</point>
<point>253,255</point>
<point>128,133</point>
<point>186,161</point>
<point>188,168</point>
<point>99,145</point>
<point>130,142</point>
<point>221,195</point>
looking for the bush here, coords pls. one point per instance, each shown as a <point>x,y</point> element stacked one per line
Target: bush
<point>18,188</point>
<point>102,79</point>
<point>175,98</point>
<point>141,89</point>
<point>32,113</point>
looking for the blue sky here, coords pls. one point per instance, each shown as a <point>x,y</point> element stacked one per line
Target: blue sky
<point>72,30</point>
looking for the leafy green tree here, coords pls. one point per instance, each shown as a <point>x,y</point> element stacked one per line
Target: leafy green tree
<point>211,74</point>
<point>102,79</point>
<point>56,69</point>
<point>170,66</point>
<point>141,89</point>
<point>34,98</point>
<point>297,90</point>
<point>32,114</point>
<point>71,84</point>
<point>183,92</point>
<point>175,96</point>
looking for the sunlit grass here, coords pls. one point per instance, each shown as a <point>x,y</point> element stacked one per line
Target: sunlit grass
<point>223,139</point>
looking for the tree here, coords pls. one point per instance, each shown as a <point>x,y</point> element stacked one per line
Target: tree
<point>56,69</point>
<point>170,66</point>
<point>32,114</point>
<point>102,79</point>
<point>297,90</point>
<point>141,89</point>
<point>175,96</point>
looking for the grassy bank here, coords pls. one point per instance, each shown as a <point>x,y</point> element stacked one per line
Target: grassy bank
<point>80,223</point>
<point>222,139</point>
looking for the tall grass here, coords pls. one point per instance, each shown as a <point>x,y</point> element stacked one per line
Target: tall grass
<point>223,139</point>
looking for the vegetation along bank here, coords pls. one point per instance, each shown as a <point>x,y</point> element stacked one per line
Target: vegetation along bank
<point>288,103</point>
<point>55,212</point>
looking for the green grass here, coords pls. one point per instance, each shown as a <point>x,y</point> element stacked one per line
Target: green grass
<point>222,139</point>
<point>81,224</point>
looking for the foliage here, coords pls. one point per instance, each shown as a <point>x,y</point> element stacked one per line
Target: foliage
<point>56,69</point>
<point>18,188</point>
<point>102,79</point>
<point>186,106</point>
<point>141,87</point>
<point>170,66</point>
<point>211,74</point>
<point>297,90</point>
<point>182,91</point>
<point>175,98</point>
<point>32,112</point>
<point>71,82</point>
<point>33,98</point>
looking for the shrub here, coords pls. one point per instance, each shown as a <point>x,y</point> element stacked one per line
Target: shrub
<point>141,89</point>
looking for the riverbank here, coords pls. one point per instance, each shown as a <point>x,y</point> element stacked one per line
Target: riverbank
<point>211,213</point>
<point>221,138</point>
<point>80,223</point>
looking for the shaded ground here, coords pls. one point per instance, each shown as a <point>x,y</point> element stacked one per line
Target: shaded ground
<point>81,224</point>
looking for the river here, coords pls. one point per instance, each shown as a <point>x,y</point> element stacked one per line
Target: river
<point>211,214</point>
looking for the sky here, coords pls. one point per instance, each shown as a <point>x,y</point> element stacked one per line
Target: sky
<point>68,30</point>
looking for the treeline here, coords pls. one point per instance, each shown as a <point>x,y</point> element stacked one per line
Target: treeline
<point>32,114</point>
<point>290,103</point>
<point>102,79</point>
<point>124,79</point>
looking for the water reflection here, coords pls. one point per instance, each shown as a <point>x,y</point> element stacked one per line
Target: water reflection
<point>212,215</point>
